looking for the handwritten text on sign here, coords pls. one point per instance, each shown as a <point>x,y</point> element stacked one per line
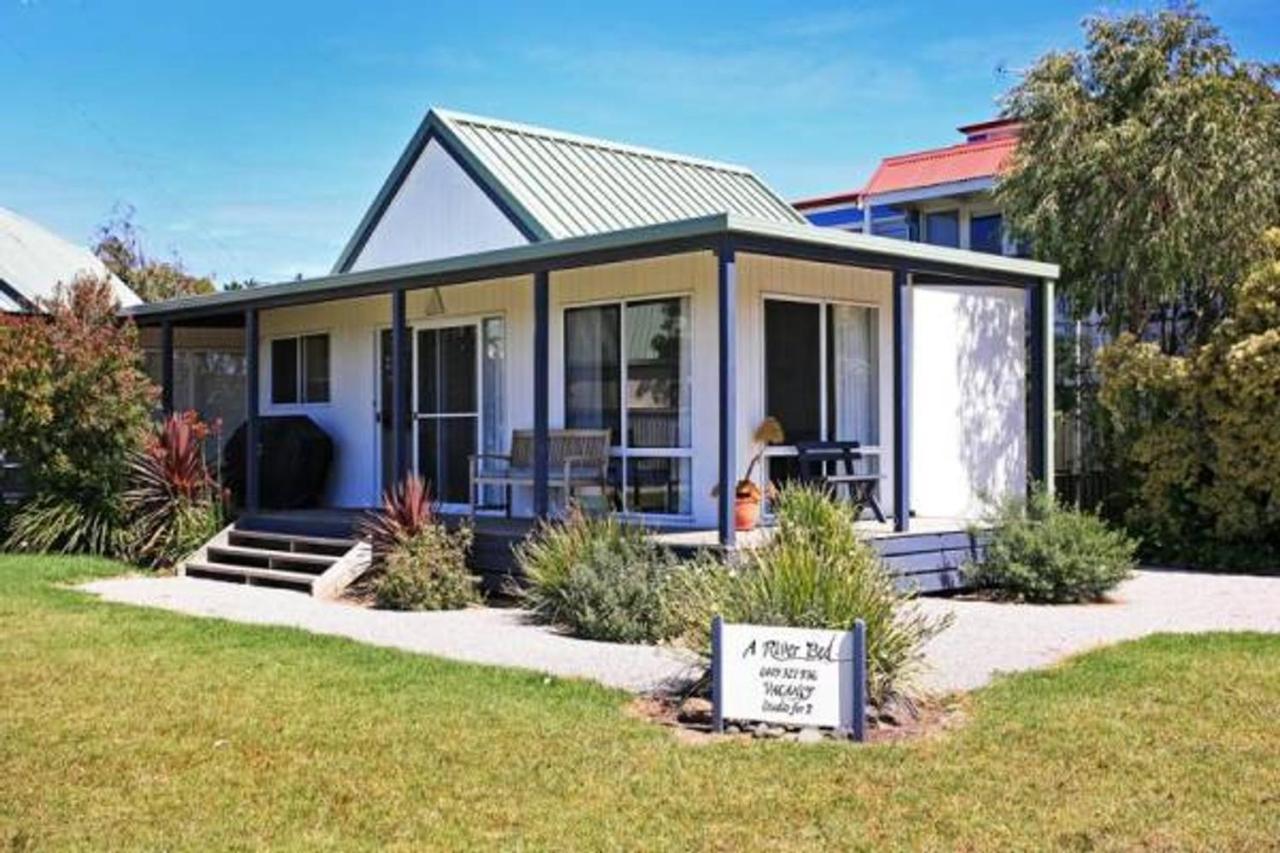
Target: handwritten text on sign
<point>793,676</point>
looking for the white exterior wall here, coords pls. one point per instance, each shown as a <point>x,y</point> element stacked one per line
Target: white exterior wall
<point>967,405</point>
<point>968,398</point>
<point>437,212</point>
<point>353,326</point>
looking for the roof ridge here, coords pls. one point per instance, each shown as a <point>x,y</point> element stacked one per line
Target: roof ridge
<point>591,141</point>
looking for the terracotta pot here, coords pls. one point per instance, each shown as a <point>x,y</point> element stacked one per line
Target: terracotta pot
<point>746,512</point>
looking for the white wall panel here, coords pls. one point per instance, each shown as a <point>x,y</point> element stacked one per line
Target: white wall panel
<point>437,212</point>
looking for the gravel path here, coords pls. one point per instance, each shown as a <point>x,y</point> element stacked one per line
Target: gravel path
<point>986,638</point>
<point>479,635</point>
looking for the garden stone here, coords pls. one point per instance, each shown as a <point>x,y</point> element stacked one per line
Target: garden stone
<point>732,730</point>
<point>809,735</point>
<point>695,709</point>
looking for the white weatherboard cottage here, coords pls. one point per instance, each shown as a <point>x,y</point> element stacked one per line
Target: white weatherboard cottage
<point>533,280</point>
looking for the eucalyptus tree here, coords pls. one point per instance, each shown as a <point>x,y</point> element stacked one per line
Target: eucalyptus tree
<point>1148,167</point>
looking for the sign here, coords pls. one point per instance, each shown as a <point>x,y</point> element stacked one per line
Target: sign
<point>789,676</point>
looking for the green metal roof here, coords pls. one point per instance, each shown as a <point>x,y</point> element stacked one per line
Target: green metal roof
<point>559,185</point>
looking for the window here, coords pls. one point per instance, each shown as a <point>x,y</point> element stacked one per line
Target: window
<point>822,377</point>
<point>300,369</point>
<point>628,370</point>
<point>986,234</point>
<point>942,228</point>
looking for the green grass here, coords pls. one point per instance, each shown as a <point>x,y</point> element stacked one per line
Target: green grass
<point>122,727</point>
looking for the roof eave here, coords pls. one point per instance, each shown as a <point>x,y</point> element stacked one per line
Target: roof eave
<point>705,229</point>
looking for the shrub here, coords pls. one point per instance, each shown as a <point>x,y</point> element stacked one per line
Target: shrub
<point>76,404</point>
<point>597,578</point>
<point>50,523</point>
<point>428,571</point>
<point>1198,435</point>
<point>813,573</point>
<point>173,501</point>
<point>406,511</point>
<point>1045,553</point>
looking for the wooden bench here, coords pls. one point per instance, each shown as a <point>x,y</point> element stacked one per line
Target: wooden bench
<point>862,488</point>
<point>575,458</point>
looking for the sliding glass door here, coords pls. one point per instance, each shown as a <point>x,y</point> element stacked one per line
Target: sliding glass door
<point>821,379</point>
<point>628,370</point>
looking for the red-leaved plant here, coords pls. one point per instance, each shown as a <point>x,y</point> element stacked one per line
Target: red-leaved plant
<point>407,509</point>
<point>174,499</point>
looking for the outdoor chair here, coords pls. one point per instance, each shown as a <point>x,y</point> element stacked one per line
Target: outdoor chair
<point>576,458</point>
<point>814,458</point>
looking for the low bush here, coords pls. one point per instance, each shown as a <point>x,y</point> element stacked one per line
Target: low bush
<point>1045,553</point>
<point>173,501</point>
<point>597,578</point>
<point>813,573</point>
<point>50,523</point>
<point>428,571</point>
<point>418,563</point>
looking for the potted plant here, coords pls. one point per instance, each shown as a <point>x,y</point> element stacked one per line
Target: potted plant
<point>746,494</point>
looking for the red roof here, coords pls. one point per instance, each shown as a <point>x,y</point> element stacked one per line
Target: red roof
<point>961,162</point>
<point>983,158</point>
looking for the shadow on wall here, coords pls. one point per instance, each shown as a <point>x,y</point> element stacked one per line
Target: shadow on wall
<point>992,407</point>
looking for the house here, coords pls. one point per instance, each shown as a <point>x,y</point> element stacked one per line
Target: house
<point>941,196</point>
<point>508,277</point>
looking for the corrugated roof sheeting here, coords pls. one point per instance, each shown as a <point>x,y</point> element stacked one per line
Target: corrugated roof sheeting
<point>34,261</point>
<point>574,186</point>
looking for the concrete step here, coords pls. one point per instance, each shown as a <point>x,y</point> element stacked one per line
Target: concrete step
<point>250,573</point>
<point>273,557</point>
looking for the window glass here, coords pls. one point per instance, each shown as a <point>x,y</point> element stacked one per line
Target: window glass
<point>985,234</point>
<point>658,374</point>
<point>853,365</point>
<point>592,383</point>
<point>284,371</point>
<point>792,357</point>
<point>942,228</point>
<point>315,360</point>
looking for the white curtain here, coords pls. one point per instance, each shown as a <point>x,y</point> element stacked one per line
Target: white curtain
<point>854,353</point>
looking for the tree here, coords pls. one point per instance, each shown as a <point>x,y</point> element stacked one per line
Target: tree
<point>119,246</point>
<point>1148,168</point>
<point>76,403</point>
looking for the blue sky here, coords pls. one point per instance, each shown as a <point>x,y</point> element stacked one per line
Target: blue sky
<point>250,137</point>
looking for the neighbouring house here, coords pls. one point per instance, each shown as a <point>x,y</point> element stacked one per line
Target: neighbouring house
<point>33,263</point>
<point>511,283</point>
<point>944,197</point>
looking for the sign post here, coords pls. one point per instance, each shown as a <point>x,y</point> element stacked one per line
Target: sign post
<point>790,676</point>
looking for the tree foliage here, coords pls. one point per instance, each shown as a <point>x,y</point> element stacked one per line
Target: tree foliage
<point>75,399</point>
<point>119,246</point>
<point>1199,434</point>
<point>1147,167</point>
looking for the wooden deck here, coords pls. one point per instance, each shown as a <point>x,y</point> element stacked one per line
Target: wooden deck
<point>928,558</point>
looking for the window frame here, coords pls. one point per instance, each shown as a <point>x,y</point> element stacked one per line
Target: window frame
<point>299,378</point>
<point>623,452</point>
<point>824,305</point>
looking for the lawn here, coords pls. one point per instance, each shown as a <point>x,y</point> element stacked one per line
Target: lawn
<point>124,727</point>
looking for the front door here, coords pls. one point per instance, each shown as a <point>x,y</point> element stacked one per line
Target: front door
<point>446,408</point>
